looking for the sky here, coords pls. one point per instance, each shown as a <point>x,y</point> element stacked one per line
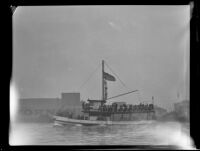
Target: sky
<point>57,48</point>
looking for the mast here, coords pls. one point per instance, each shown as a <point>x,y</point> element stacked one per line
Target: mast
<point>103,98</point>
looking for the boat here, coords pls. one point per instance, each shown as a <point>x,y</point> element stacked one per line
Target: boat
<point>97,112</point>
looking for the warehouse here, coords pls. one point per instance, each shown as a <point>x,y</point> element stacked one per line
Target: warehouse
<point>42,109</point>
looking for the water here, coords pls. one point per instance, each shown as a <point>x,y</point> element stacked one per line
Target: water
<point>139,133</point>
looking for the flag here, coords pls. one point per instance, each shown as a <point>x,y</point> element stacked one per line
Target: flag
<point>109,77</point>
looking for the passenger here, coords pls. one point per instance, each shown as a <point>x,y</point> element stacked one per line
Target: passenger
<point>130,108</point>
<point>115,107</point>
<point>136,108</point>
<point>145,107</point>
<point>142,108</point>
<point>112,109</point>
<point>151,106</point>
<point>100,108</point>
<point>104,108</point>
<point>119,110</point>
<point>125,108</point>
<point>83,105</point>
<point>133,110</point>
<point>122,109</point>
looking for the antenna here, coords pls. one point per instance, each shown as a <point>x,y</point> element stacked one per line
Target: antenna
<point>152,99</point>
<point>103,86</point>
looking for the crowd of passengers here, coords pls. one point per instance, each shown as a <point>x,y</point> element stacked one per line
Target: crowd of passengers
<point>110,108</point>
<point>120,108</point>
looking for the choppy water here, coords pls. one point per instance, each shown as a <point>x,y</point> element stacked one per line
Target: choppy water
<point>140,133</point>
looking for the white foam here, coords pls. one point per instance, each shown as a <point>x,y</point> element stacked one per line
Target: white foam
<point>13,102</point>
<point>19,135</point>
<point>172,134</point>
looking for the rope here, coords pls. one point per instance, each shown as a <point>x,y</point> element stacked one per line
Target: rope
<point>89,77</point>
<point>117,76</point>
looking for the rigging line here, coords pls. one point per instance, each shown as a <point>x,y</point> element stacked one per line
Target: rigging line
<point>117,76</point>
<point>89,77</point>
<point>121,94</point>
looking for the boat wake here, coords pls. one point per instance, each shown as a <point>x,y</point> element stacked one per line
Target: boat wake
<point>57,124</point>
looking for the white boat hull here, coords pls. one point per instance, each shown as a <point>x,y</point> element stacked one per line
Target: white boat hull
<point>65,120</point>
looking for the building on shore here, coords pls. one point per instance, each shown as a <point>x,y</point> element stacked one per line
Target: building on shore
<point>182,109</point>
<point>70,103</point>
<point>180,113</point>
<point>159,111</point>
<point>43,109</point>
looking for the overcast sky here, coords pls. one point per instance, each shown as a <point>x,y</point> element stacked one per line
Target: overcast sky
<point>56,49</point>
